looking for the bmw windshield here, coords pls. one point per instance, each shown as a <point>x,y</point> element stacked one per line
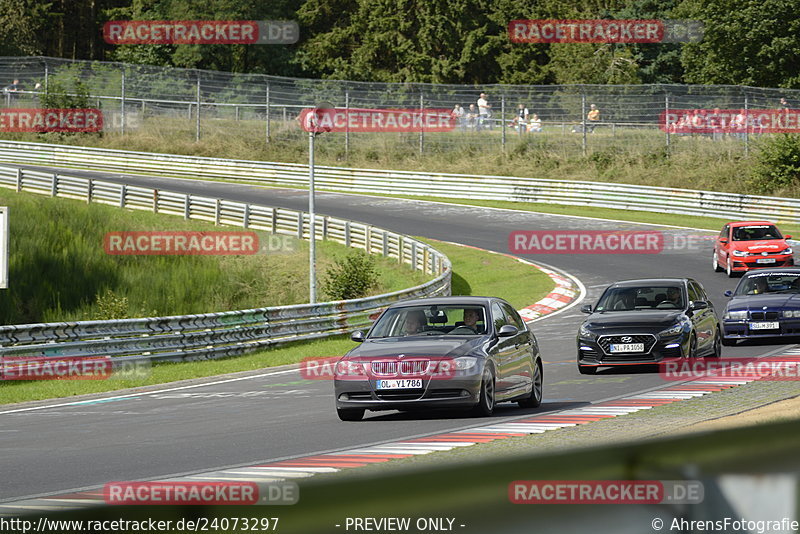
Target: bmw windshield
<point>410,321</point>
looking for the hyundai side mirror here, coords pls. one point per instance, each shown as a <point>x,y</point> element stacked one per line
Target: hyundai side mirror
<point>728,293</point>
<point>586,308</point>
<point>507,330</point>
<point>357,336</point>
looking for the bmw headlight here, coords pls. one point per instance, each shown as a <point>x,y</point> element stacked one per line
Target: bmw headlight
<point>739,253</point>
<point>465,363</point>
<point>584,331</point>
<point>791,314</point>
<point>673,330</point>
<point>738,315</point>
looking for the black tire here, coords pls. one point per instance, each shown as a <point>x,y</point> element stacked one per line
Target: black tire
<point>350,414</point>
<point>717,268</point>
<point>729,269</point>
<point>587,369</point>
<point>717,350</point>
<point>692,353</point>
<point>535,399</point>
<point>486,398</point>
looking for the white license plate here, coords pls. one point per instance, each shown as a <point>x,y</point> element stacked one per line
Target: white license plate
<point>772,325</point>
<point>766,260</point>
<point>627,347</point>
<point>406,383</point>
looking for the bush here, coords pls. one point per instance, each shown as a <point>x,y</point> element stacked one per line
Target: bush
<point>777,164</point>
<point>352,277</point>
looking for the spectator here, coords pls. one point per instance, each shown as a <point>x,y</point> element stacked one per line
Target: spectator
<point>783,108</point>
<point>471,117</point>
<point>484,112</point>
<point>740,124</point>
<point>10,91</point>
<point>521,120</point>
<point>593,117</point>
<point>535,124</point>
<point>458,116</point>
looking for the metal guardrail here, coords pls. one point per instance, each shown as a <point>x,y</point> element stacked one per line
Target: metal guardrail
<point>215,335</point>
<point>482,187</point>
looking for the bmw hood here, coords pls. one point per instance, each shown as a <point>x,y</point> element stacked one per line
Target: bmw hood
<point>450,346</point>
<point>759,302</point>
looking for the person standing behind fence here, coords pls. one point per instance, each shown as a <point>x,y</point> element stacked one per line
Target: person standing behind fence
<point>471,117</point>
<point>593,117</point>
<point>521,120</point>
<point>484,112</point>
<point>10,92</point>
<point>457,115</point>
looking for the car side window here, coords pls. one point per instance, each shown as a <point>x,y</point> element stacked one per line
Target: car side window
<point>498,317</point>
<point>724,233</point>
<point>701,291</point>
<point>693,292</point>
<point>512,317</point>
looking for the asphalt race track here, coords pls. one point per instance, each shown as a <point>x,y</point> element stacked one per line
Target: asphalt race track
<point>275,414</point>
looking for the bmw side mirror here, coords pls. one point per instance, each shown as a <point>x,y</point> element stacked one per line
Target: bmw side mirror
<point>698,305</point>
<point>586,308</point>
<point>357,336</point>
<point>507,330</point>
<point>728,293</point>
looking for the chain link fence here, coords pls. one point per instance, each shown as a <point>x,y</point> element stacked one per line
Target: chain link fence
<point>200,103</point>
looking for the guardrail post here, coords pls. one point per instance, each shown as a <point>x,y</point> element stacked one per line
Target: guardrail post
<point>246,216</point>
<point>217,207</point>
<point>425,260</point>
<point>347,242</point>
<point>385,244</point>
<point>400,249</point>
<point>325,228</point>
<point>123,192</point>
<point>54,187</point>
<point>187,206</point>
<point>274,227</point>
<point>368,239</point>
<point>414,255</point>
<point>155,200</point>
<point>300,225</point>
<point>19,180</point>
<point>89,191</point>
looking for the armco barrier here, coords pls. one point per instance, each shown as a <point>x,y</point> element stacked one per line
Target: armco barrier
<point>215,335</point>
<point>576,193</point>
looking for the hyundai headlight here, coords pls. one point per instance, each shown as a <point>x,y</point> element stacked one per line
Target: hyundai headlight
<point>584,331</point>
<point>739,315</point>
<point>673,330</point>
<point>739,253</point>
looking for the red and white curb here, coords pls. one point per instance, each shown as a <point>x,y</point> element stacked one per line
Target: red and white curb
<point>309,466</point>
<point>568,291</point>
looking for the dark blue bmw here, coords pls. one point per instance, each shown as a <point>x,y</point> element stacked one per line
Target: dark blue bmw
<point>766,303</point>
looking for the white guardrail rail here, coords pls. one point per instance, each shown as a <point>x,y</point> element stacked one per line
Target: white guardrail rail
<point>576,193</point>
<point>215,335</point>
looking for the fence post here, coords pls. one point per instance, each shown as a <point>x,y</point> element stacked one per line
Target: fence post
<point>122,105</point>
<point>54,187</point>
<point>246,216</point>
<point>217,210</point>
<point>187,206</point>
<point>19,180</point>
<point>583,120</point>
<point>197,117</point>
<point>46,78</point>
<point>421,130</point>
<point>503,119</point>
<point>666,117</point>
<point>347,234</point>
<point>746,126</point>
<point>89,191</point>
<point>268,125</point>
<point>123,192</point>
<point>347,125</point>
<point>237,113</point>
<point>155,200</point>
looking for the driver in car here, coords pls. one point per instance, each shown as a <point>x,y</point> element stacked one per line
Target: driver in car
<point>415,322</point>
<point>759,286</point>
<point>471,318</point>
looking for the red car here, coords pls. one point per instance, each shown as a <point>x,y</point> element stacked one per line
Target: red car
<point>746,245</point>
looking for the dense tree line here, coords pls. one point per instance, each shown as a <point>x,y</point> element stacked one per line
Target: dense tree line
<point>751,42</point>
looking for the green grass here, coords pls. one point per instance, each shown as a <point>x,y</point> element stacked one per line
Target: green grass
<point>58,269</point>
<point>474,273</point>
